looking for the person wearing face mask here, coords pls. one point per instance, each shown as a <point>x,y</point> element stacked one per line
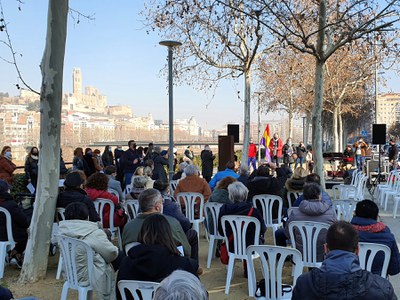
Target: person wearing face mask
<point>89,159</point>
<point>31,166</point>
<point>287,151</point>
<point>7,167</point>
<point>107,157</point>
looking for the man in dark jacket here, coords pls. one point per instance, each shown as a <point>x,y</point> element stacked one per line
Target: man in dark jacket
<point>129,162</point>
<point>73,192</point>
<point>393,153</point>
<point>340,276</point>
<point>370,230</point>
<point>207,159</point>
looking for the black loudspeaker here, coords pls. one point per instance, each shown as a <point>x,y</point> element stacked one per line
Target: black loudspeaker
<point>233,129</point>
<point>225,151</point>
<point>379,134</point>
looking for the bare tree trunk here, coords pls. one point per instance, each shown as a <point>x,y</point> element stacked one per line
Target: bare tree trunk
<point>341,134</point>
<point>37,250</point>
<point>335,129</point>
<point>291,124</point>
<point>307,133</point>
<point>246,134</point>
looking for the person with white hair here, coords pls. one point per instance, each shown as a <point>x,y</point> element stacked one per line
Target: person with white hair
<point>193,183</point>
<point>207,163</point>
<point>179,175</point>
<point>181,285</point>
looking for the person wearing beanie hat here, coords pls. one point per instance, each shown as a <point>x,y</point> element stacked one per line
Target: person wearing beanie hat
<point>20,224</point>
<point>73,192</point>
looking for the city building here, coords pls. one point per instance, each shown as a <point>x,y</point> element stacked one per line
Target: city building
<point>388,109</point>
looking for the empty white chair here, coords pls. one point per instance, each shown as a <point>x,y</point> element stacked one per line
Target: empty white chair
<point>367,253</point>
<point>387,194</point>
<point>211,212</point>
<point>140,290</point>
<point>193,202</point>
<point>272,263</point>
<point>8,245</point>
<point>132,208</point>
<point>69,248</point>
<point>172,186</point>
<point>292,196</point>
<point>345,209</point>
<point>266,202</point>
<point>344,192</point>
<point>99,205</point>
<point>361,185</point>
<point>60,216</point>
<point>308,233</point>
<point>239,226</point>
<point>393,176</point>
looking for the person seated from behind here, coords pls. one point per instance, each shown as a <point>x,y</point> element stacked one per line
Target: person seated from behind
<point>295,183</point>
<point>229,171</point>
<point>74,192</point>
<point>324,195</point>
<point>148,173</point>
<point>181,285</point>
<point>19,224</point>
<point>340,276</point>
<point>178,175</point>
<point>243,174</point>
<point>370,230</point>
<point>312,208</point>
<point>156,256</point>
<point>221,194</point>
<point>106,257</point>
<point>150,203</point>
<point>139,185</point>
<point>111,172</point>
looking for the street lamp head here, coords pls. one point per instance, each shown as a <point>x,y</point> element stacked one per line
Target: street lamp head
<point>170,43</point>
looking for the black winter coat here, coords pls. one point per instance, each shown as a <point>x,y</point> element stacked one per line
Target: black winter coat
<point>207,159</point>
<point>159,170</point>
<point>267,185</point>
<point>71,195</point>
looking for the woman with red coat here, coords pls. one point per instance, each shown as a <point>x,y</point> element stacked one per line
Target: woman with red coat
<point>96,187</point>
<point>275,148</point>
<point>7,167</point>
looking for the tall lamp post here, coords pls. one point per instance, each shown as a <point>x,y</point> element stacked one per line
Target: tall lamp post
<point>170,45</point>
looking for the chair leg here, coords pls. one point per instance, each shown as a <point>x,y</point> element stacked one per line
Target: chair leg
<point>3,256</point>
<point>59,268</point>
<point>211,251</point>
<point>196,227</point>
<point>119,239</point>
<point>229,275</point>
<point>396,204</point>
<point>64,292</point>
<point>386,201</point>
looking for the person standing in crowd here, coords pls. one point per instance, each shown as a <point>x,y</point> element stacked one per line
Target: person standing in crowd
<point>63,168</point>
<point>160,159</point>
<point>361,148</point>
<point>207,163</point>
<point>78,163</point>
<point>88,157</point>
<point>340,275</point>
<point>114,184</point>
<point>348,156</point>
<point>310,159</point>
<point>393,153</point>
<point>107,157</point>
<point>301,154</point>
<point>252,155</point>
<point>130,161</point>
<point>7,167</point>
<point>287,152</point>
<point>31,166</point>
<point>148,153</point>
<point>118,152</point>
<point>98,163</point>
<point>188,155</point>
<point>275,148</point>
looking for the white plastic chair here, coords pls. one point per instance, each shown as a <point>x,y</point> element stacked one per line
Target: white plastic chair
<point>128,190</point>
<point>70,248</point>
<point>290,196</point>
<point>114,192</point>
<point>8,245</point>
<point>99,205</point>
<point>272,260</point>
<point>367,253</point>
<point>239,226</point>
<point>361,185</point>
<point>140,290</point>
<point>60,214</point>
<point>345,209</point>
<point>266,203</point>
<point>308,233</point>
<point>385,195</point>
<point>344,192</point>
<point>193,200</point>
<point>392,177</point>
<point>211,212</point>
<point>132,208</point>
<point>391,185</point>
<point>172,186</point>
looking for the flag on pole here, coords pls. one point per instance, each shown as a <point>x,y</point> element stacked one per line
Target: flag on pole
<point>265,142</point>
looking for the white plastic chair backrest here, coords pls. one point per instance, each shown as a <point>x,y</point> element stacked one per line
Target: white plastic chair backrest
<point>10,237</point>
<point>190,200</point>
<point>272,263</point>
<point>60,212</point>
<point>266,203</point>
<point>361,187</point>
<point>128,189</point>
<point>367,253</point>
<point>114,192</point>
<point>345,209</point>
<point>132,208</point>
<point>172,186</point>
<point>240,229</point>
<point>308,232</point>
<point>354,178</point>
<point>211,212</point>
<point>343,192</point>
<point>140,290</point>
<point>72,250</point>
<point>99,205</point>
<point>290,196</point>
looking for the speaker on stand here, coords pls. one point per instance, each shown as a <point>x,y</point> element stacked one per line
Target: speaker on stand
<point>378,138</point>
